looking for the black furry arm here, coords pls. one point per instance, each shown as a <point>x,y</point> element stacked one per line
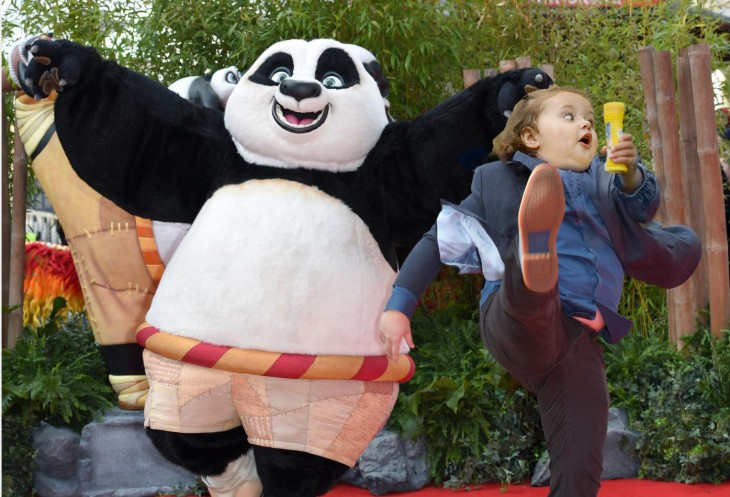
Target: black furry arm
<point>433,156</point>
<point>142,146</point>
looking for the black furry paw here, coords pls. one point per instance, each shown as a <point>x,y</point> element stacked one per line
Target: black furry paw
<point>517,84</point>
<point>53,65</point>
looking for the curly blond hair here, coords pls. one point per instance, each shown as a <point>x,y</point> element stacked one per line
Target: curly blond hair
<point>525,115</point>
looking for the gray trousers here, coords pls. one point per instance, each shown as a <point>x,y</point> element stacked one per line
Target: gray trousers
<point>560,361</point>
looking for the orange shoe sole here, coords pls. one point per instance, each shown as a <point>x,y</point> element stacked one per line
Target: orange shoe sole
<point>540,215</point>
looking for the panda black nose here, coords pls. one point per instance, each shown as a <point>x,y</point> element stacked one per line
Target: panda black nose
<point>300,90</point>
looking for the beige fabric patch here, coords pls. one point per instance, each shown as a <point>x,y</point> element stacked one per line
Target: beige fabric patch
<point>336,419</point>
<point>185,398</point>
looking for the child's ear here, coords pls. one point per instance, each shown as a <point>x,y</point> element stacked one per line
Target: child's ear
<point>529,138</point>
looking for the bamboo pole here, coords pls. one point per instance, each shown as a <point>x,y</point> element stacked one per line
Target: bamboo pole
<point>523,61</point>
<point>507,65</point>
<point>471,76</point>
<point>716,249</point>
<point>661,117</point>
<point>682,320</point>
<point>549,70</point>
<point>5,224</point>
<point>17,244</point>
<point>646,64</point>
<point>692,177</point>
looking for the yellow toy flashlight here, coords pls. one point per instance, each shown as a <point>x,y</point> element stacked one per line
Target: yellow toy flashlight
<point>613,117</point>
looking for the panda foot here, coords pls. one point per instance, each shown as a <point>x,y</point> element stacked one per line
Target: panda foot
<point>251,488</point>
<point>131,391</point>
<point>240,479</point>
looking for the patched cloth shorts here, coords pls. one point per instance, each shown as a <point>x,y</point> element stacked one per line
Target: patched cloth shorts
<point>336,419</point>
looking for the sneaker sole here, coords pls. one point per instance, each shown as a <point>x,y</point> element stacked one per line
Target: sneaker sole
<point>540,215</point>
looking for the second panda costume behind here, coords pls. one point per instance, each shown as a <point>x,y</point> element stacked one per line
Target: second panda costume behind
<point>263,355</point>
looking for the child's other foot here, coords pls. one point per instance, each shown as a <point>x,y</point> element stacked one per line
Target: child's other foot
<point>541,213</point>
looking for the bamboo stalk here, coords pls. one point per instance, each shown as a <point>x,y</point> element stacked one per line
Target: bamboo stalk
<point>5,224</point>
<point>682,317</point>
<point>646,64</point>
<point>471,76</point>
<point>17,244</point>
<point>692,177</point>
<point>523,61</point>
<point>549,69</point>
<point>507,65</point>
<point>716,250</point>
<point>661,118</point>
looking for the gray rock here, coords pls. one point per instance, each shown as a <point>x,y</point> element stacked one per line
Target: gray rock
<point>54,486</point>
<point>56,450</point>
<point>620,458</point>
<point>117,459</point>
<point>56,454</point>
<point>390,464</point>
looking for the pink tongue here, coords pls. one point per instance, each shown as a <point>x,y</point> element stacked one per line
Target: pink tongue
<point>292,119</point>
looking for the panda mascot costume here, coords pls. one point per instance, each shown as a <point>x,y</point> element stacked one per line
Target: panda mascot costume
<point>208,91</point>
<point>265,366</point>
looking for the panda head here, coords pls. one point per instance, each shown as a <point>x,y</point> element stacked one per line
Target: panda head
<point>223,81</point>
<point>310,104</point>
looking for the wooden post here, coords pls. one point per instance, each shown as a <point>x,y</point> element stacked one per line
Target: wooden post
<point>17,244</point>
<point>507,65</point>
<point>519,62</point>
<point>523,62</point>
<point>471,76</point>
<point>682,320</point>
<point>661,115</point>
<point>692,177</point>
<point>5,224</point>
<point>646,64</point>
<point>716,249</point>
<point>549,69</point>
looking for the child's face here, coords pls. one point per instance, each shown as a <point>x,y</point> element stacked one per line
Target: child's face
<point>565,136</point>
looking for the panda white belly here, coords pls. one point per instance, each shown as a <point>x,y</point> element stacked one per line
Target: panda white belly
<point>280,266</point>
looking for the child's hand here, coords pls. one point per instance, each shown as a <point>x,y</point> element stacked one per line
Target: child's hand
<point>625,152</point>
<point>394,327</point>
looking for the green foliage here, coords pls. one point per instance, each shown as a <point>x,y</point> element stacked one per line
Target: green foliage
<point>678,401</point>
<point>56,375</point>
<point>198,489</point>
<point>646,306</point>
<point>479,424</point>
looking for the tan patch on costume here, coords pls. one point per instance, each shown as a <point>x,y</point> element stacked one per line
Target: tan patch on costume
<point>336,419</point>
<point>185,398</point>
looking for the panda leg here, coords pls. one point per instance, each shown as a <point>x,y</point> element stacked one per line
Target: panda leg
<point>238,480</point>
<point>289,473</point>
<point>206,454</point>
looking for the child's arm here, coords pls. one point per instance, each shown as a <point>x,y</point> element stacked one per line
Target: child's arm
<point>420,268</point>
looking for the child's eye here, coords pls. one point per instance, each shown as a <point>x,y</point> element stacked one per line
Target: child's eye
<point>569,116</point>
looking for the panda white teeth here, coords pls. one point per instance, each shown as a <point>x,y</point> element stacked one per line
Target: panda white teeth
<point>298,122</point>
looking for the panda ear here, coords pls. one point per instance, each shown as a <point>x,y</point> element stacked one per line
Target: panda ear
<point>373,68</point>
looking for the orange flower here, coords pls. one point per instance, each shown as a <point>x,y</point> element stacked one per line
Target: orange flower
<point>49,273</point>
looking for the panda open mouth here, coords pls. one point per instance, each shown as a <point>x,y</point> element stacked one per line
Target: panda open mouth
<point>298,122</point>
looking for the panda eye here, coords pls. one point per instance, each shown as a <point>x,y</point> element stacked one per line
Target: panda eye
<point>280,74</point>
<point>332,80</point>
<point>232,77</point>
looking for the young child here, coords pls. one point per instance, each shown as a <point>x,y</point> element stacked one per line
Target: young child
<point>553,234</point>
